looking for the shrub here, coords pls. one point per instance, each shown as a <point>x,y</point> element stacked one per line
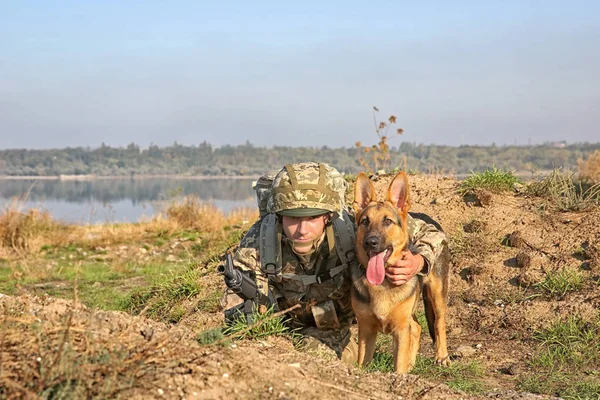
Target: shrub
<point>589,170</point>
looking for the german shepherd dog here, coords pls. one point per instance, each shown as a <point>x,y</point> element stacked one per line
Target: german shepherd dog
<point>379,306</point>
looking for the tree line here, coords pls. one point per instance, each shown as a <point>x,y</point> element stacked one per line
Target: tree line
<point>250,160</point>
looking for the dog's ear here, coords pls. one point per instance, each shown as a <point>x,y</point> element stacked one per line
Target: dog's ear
<point>364,192</point>
<point>398,192</point>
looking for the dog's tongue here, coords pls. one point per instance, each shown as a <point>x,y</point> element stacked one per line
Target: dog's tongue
<point>376,269</point>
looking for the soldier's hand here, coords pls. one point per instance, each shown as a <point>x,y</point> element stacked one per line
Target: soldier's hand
<point>405,268</point>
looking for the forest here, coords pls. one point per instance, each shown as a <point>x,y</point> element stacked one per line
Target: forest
<point>249,160</point>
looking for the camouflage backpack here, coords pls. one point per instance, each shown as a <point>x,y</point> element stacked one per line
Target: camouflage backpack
<point>303,186</point>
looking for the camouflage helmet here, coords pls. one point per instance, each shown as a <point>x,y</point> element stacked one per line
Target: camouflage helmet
<point>307,189</point>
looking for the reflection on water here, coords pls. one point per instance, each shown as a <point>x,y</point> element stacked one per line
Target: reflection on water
<point>122,200</point>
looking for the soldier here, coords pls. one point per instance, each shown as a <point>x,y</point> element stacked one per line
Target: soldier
<point>301,250</point>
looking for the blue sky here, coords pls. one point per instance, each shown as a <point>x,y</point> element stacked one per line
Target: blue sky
<point>79,73</point>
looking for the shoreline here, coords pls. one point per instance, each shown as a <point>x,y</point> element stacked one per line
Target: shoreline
<point>120,177</point>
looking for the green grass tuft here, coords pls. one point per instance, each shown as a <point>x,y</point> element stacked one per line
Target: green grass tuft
<point>493,180</point>
<point>567,360</point>
<point>459,375</point>
<point>264,325</point>
<point>558,283</point>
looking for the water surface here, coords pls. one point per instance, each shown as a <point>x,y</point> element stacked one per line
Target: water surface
<point>121,200</point>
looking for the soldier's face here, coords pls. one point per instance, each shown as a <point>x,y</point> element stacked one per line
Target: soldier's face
<point>304,230</point>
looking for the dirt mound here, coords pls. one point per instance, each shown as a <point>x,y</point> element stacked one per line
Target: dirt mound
<point>502,246</point>
<point>54,347</point>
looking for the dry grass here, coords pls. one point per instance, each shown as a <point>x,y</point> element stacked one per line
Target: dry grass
<point>589,170</point>
<point>561,191</point>
<point>79,355</point>
<point>192,213</point>
<point>25,233</point>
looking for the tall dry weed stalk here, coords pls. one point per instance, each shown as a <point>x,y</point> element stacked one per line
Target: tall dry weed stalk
<point>562,191</point>
<point>23,231</point>
<point>379,153</point>
<point>192,213</point>
<point>589,169</point>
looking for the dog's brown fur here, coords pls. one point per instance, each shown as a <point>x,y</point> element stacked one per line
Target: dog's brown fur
<point>388,308</point>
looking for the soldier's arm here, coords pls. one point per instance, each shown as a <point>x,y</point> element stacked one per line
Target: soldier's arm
<point>427,240</point>
<point>246,256</point>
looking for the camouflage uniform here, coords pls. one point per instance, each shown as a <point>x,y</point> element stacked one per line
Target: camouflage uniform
<point>315,298</point>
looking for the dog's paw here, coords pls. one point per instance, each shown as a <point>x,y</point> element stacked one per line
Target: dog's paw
<point>444,361</point>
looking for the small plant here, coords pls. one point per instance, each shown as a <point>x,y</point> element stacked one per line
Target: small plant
<point>509,296</point>
<point>561,191</point>
<point>469,246</point>
<point>493,180</point>
<point>211,336</point>
<point>566,361</point>
<point>459,375</point>
<point>162,300</point>
<point>382,362</point>
<point>265,324</point>
<point>380,153</point>
<point>559,283</point>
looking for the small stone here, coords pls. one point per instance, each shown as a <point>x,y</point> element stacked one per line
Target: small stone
<point>464,351</point>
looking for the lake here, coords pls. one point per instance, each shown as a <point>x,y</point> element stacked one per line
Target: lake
<point>121,200</point>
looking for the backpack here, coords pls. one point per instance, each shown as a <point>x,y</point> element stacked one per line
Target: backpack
<point>340,234</point>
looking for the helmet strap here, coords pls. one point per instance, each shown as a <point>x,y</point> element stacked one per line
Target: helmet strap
<point>330,238</point>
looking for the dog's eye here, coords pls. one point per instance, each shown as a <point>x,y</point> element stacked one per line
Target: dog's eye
<point>364,221</point>
<point>387,221</point>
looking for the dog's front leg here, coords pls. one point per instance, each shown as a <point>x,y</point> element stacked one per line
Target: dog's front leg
<point>402,341</point>
<point>367,337</point>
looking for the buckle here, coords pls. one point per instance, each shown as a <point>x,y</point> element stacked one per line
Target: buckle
<point>271,269</point>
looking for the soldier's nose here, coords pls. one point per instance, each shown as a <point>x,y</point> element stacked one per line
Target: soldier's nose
<point>303,226</point>
<point>371,243</point>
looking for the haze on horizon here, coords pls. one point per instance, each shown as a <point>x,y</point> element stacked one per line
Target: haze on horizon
<point>297,74</point>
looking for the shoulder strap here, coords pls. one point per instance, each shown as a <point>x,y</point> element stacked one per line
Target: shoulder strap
<point>270,245</point>
<point>345,237</point>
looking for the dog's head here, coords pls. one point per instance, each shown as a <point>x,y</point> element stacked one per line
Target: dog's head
<point>382,232</point>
